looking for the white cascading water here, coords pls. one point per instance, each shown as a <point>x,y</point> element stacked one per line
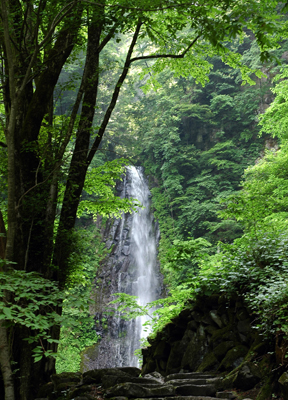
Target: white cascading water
<point>131,268</point>
<point>143,253</point>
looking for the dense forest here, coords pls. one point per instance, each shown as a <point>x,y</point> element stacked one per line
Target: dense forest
<point>195,93</point>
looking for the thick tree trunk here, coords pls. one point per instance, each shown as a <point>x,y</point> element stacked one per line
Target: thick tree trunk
<point>2,237</point>
<point>79,165</point>
<point>5,364</point>
<point>32,206</point>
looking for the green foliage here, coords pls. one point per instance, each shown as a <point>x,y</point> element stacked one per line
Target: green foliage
<point>197,146</point>
<point>29,302</point>
<point>100,188</point>
<point>257,269</point>
<point>78,327</point>
<point>77,333</point>
<point>181,261</point>
<point>262,203</point>
<point>275,120</point>
<point>160,312</point>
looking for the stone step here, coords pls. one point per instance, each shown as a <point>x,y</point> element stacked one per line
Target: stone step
<point>195,381</point>
<point>181,382</point>
<point>135,390</point>
<point>173,398</point>
<point>226,395</point>
<point>188,375</point>
<point>111,380</point>
<point>196,390</point>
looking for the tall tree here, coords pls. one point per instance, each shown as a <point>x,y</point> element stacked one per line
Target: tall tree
<point>37,37</point>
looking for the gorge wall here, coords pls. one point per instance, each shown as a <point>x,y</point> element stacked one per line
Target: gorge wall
<point>217,334</point>
<point>131,268</point>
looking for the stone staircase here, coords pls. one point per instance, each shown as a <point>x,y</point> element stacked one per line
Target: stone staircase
<point>127,384</point>
<point>180,386</point>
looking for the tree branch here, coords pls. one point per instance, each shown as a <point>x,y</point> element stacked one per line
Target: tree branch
<point>153,56</point>
<point>173,6</point>
<point>115,95</point>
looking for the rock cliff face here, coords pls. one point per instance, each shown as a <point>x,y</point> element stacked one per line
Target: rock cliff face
<point>131,268</point>
<point>215,334</point>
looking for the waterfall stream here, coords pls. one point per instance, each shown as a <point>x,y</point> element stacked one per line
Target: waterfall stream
<point>131,268</point>
<point>143,253</point>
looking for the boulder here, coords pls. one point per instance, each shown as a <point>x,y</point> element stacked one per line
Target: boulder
<point>283,380</point>
<point>46,390</point>
<point>95,375</point>
<point>221,350</point>
<point>209,363</point>
<point>246,378</point>
<point>233,357</point>
<point>66,377</point>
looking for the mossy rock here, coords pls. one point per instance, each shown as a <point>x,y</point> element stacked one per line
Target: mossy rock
<point>175,357</point>
<point>149,366</point>
<point>192,326</point>
<point>211,329</point>
<point>266,390</point>
<point>162,351</point>
<point>222,349</point>
<point>65,386</point>
<point>66,377</point>
<point>209,363</point>
<point>80,391</point>
<point>219,334</point>
<point>194,353</point>
<point>45,390</point>
<point>233,358</point>
<point>242,314</point>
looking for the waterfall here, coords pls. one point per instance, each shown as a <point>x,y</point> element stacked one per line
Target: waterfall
<point>143,252</point>
<point>131,268</point>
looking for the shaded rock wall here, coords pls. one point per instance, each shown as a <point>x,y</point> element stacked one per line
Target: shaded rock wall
<point>213,334</point>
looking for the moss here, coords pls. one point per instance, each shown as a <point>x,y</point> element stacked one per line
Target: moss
<point>222,349</point>
<point>209,362</point>
<point>266,390</point>
<point>90,352</point>
<point>162,351</point>
<point>150,366</point>
<point>219,333</point>
<point>232,357</point>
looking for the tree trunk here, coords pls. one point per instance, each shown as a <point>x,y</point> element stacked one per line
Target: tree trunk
<point>5,364</point>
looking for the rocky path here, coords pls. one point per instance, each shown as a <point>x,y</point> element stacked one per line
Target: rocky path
<point>126,383</point>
